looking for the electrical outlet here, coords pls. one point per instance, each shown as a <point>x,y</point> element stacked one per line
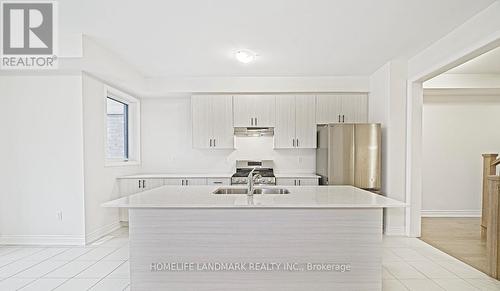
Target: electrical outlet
<point>59,215</point>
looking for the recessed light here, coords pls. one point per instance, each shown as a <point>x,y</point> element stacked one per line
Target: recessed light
<point>245,56</point>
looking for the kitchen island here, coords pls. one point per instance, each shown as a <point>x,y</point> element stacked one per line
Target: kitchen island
<point>313,238</point>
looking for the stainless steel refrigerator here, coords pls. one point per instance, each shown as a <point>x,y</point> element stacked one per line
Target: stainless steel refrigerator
<point>350,154</point>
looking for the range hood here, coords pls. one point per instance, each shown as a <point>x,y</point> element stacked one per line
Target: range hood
<point>253,131</point>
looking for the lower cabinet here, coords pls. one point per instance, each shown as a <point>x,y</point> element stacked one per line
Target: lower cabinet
<point>297,181</point>
<point>217,181</point>
<point>185,181</point>
<point>133,185</point>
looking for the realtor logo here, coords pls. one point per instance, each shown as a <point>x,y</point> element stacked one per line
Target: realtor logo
<point>28,35</point>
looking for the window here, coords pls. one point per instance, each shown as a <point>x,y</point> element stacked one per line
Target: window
<point>117,130</point>
<point>122,128</point>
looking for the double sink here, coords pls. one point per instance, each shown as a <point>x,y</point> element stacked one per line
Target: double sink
<point>228,190</point>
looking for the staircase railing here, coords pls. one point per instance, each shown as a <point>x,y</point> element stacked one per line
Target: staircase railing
<point>490,218</point>
<point>489,169</point>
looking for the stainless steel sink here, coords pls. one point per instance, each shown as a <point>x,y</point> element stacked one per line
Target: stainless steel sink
<point>230,191</point>
<point>271,191</point>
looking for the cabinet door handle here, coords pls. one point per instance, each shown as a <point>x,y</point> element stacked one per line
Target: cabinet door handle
<point>293,142</point>
<point>182,182</point>
<point>187,182</point>
<point>295,182</point>
<point>299,182</point>
<point>297,143</point>
<point>343,118</point>
<point>143,183</point>
<point>256,121</point>
<point>210,142</point>
<point>251,121</point>
<point>339,118</point>
<point>214,142</point>
<point>139,184</point>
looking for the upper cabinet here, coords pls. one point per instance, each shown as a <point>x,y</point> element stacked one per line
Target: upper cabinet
<point>212,117</point>
<point>341,108</point>
<point>295,122</point>
<point>254,110</point>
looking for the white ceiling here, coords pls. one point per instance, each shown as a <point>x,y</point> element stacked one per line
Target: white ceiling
<point>488,63</point>
<point>189,38</point>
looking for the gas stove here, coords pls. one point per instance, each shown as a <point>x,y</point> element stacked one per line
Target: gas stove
<point>263,173</point>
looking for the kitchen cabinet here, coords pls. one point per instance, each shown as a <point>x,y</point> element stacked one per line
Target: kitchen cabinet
<point>295,122</point>
<point>254,110</point>
<point>132,186</point>
<point>297,181</point>
<point>341,108</point>
<point>185,181</point>
<point>212,120</point>
<point>219,181</point>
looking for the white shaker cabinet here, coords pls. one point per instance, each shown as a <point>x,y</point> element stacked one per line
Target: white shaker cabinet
<point>212,117</point>
<point>185,181</point>
<point>132,186</point>
<point>355,108</point>
<point>254,110</point>
<point>297,181</point>
<point>219,181</point>
<point>341,108</point>
<point>295,122</point>
<point>328,109</point>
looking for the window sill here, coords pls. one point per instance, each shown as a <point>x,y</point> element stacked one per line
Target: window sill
<point>121,163</point>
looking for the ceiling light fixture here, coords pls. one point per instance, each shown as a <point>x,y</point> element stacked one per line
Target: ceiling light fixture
<point>245,56</point>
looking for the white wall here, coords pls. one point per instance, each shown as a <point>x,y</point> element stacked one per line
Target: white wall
<point>100,181</point>
<point>469,81</point>
<point>42,164</point>
<point>457,130</point>
<point>167,147</point>
<point>161,87</point>
<point>458,46</point>
<point>388,106</point>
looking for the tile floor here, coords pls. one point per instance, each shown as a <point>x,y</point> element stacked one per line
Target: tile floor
<point>409,264</point>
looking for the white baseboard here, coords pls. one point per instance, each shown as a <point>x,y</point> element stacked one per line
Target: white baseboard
<point>102,231</point>
<point>42,240</point>
<point>394,231</point>
<point>451,213</point>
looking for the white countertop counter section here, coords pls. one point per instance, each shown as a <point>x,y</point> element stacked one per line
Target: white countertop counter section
<point>181,175</point>
<point>299,197</point>
<point>297,175</point>
<point>216,175</point>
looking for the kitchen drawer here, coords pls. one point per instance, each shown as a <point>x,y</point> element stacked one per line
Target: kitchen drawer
<point>219,181</point>
<point>297,181</point>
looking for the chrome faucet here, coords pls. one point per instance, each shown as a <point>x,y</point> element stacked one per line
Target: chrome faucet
<point>251,181</point>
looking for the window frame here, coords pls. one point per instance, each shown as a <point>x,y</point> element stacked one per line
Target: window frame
<point>133,127</point>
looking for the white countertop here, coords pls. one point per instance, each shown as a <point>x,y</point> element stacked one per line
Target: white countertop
<point>297,175</point>
<point>181,175</point>
<point>299,197</point>
<point>216,175</point>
